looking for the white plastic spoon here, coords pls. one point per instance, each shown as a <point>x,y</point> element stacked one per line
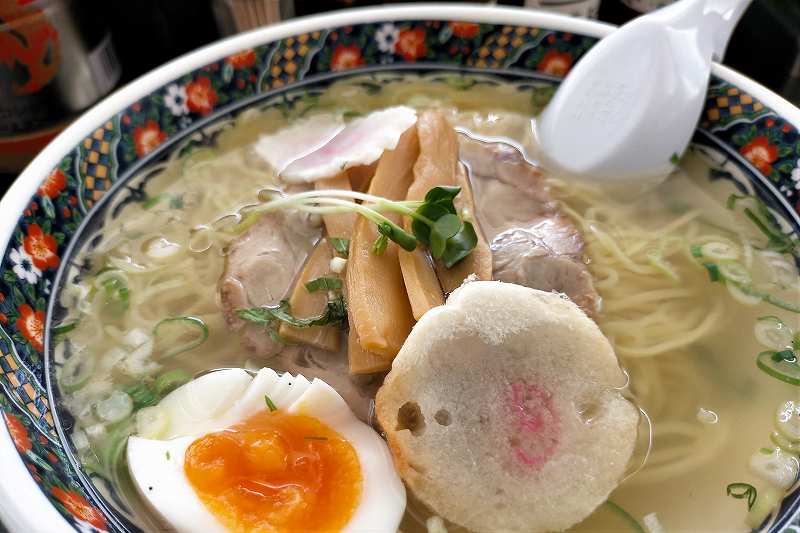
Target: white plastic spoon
<point>633,101</point>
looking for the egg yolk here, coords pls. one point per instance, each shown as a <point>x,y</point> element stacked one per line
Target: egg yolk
<point>276,472</point>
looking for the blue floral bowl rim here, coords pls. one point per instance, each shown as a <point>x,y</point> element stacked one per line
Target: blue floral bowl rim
<point>19,493</point>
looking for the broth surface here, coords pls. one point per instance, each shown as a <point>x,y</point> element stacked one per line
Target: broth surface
<point>710,406</point>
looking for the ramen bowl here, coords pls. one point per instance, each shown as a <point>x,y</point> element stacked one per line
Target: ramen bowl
<point>748,136</point>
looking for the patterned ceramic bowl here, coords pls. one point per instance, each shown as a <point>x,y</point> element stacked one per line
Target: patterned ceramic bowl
<point>750,134</point>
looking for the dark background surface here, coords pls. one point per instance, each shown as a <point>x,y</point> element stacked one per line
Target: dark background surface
<point>147,33</point>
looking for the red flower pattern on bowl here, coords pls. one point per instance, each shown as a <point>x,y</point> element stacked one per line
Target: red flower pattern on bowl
<point>53,185</point>
<point>465,30</point>
<point>201,97</point>
<point>760,153</point>
<point>31,324</point>
<point>555,63</point>
<point>146,138</point>
<point>18,433</point>
<point>243,59</point>
<point>411,44</point>
<point>42,248</point>
<point>80,507</point>
<point>346,57</point>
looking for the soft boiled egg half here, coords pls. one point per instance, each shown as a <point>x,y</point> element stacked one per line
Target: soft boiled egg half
<point>232,452</point>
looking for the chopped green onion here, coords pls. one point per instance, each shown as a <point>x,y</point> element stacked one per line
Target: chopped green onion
<point>169,381</point>
<point>697,251</point>
<point>175,200</point>
<point>114,449</point>
<point>763,219</point>
<point>719,251</point>
<point>733,199</point>
<point>766,451</point>
<point>625,516</point>
<point>713,271</point>
<point>766,297</point>
<point>75,372</point>
<point>675,159</point>
<point>742,491</point>
<point>780,440</point>
<point>785,355</point>
<point>115,407</point>
<point>780,365</point>
<point>768,500</point>
<point>117,294</point>
<point>270,404</point>
<point>734,271</point>
<point>142,395</point>
<point>151,201</point>
<point>736,277</point>
<point>63,329</point>
<point>324,284</point>
<point>787,420</point>
<point>773,333</point>
<point>340,245</point>
<point>177,335</point>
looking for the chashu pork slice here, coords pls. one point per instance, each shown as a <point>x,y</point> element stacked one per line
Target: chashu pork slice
<point>503,413</point>
<point>532,242</point>
<point>260,267</point>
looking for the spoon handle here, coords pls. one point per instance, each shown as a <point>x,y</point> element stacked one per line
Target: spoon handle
<point>729,12</point>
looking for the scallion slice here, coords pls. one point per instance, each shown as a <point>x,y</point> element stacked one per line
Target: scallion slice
<point>169,381</point>
<point>718,251</point>
<point>743,491</point>
<point>177,335</point>
<point>76,372</point>
<point>773,333</point>
<point>781,365</point>
<point>625,517</point>
<point>780,440</point>
<point>734,271</point>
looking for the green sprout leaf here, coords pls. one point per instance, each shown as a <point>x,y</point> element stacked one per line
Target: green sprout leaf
<point>340,245</point>
<point>335,313</point>
<point>324,284</point>
<point>460,245</point>
<point>380,244</point>
<point>443,229</point>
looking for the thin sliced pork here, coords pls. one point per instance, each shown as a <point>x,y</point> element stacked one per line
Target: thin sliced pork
<point>532,242</point>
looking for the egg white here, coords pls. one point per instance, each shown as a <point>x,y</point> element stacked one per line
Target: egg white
<point>220,399</point>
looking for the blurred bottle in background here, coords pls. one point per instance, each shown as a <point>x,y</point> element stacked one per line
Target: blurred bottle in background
<point>56,59</point>
<point>234,16</point>
<point>148,33</point>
